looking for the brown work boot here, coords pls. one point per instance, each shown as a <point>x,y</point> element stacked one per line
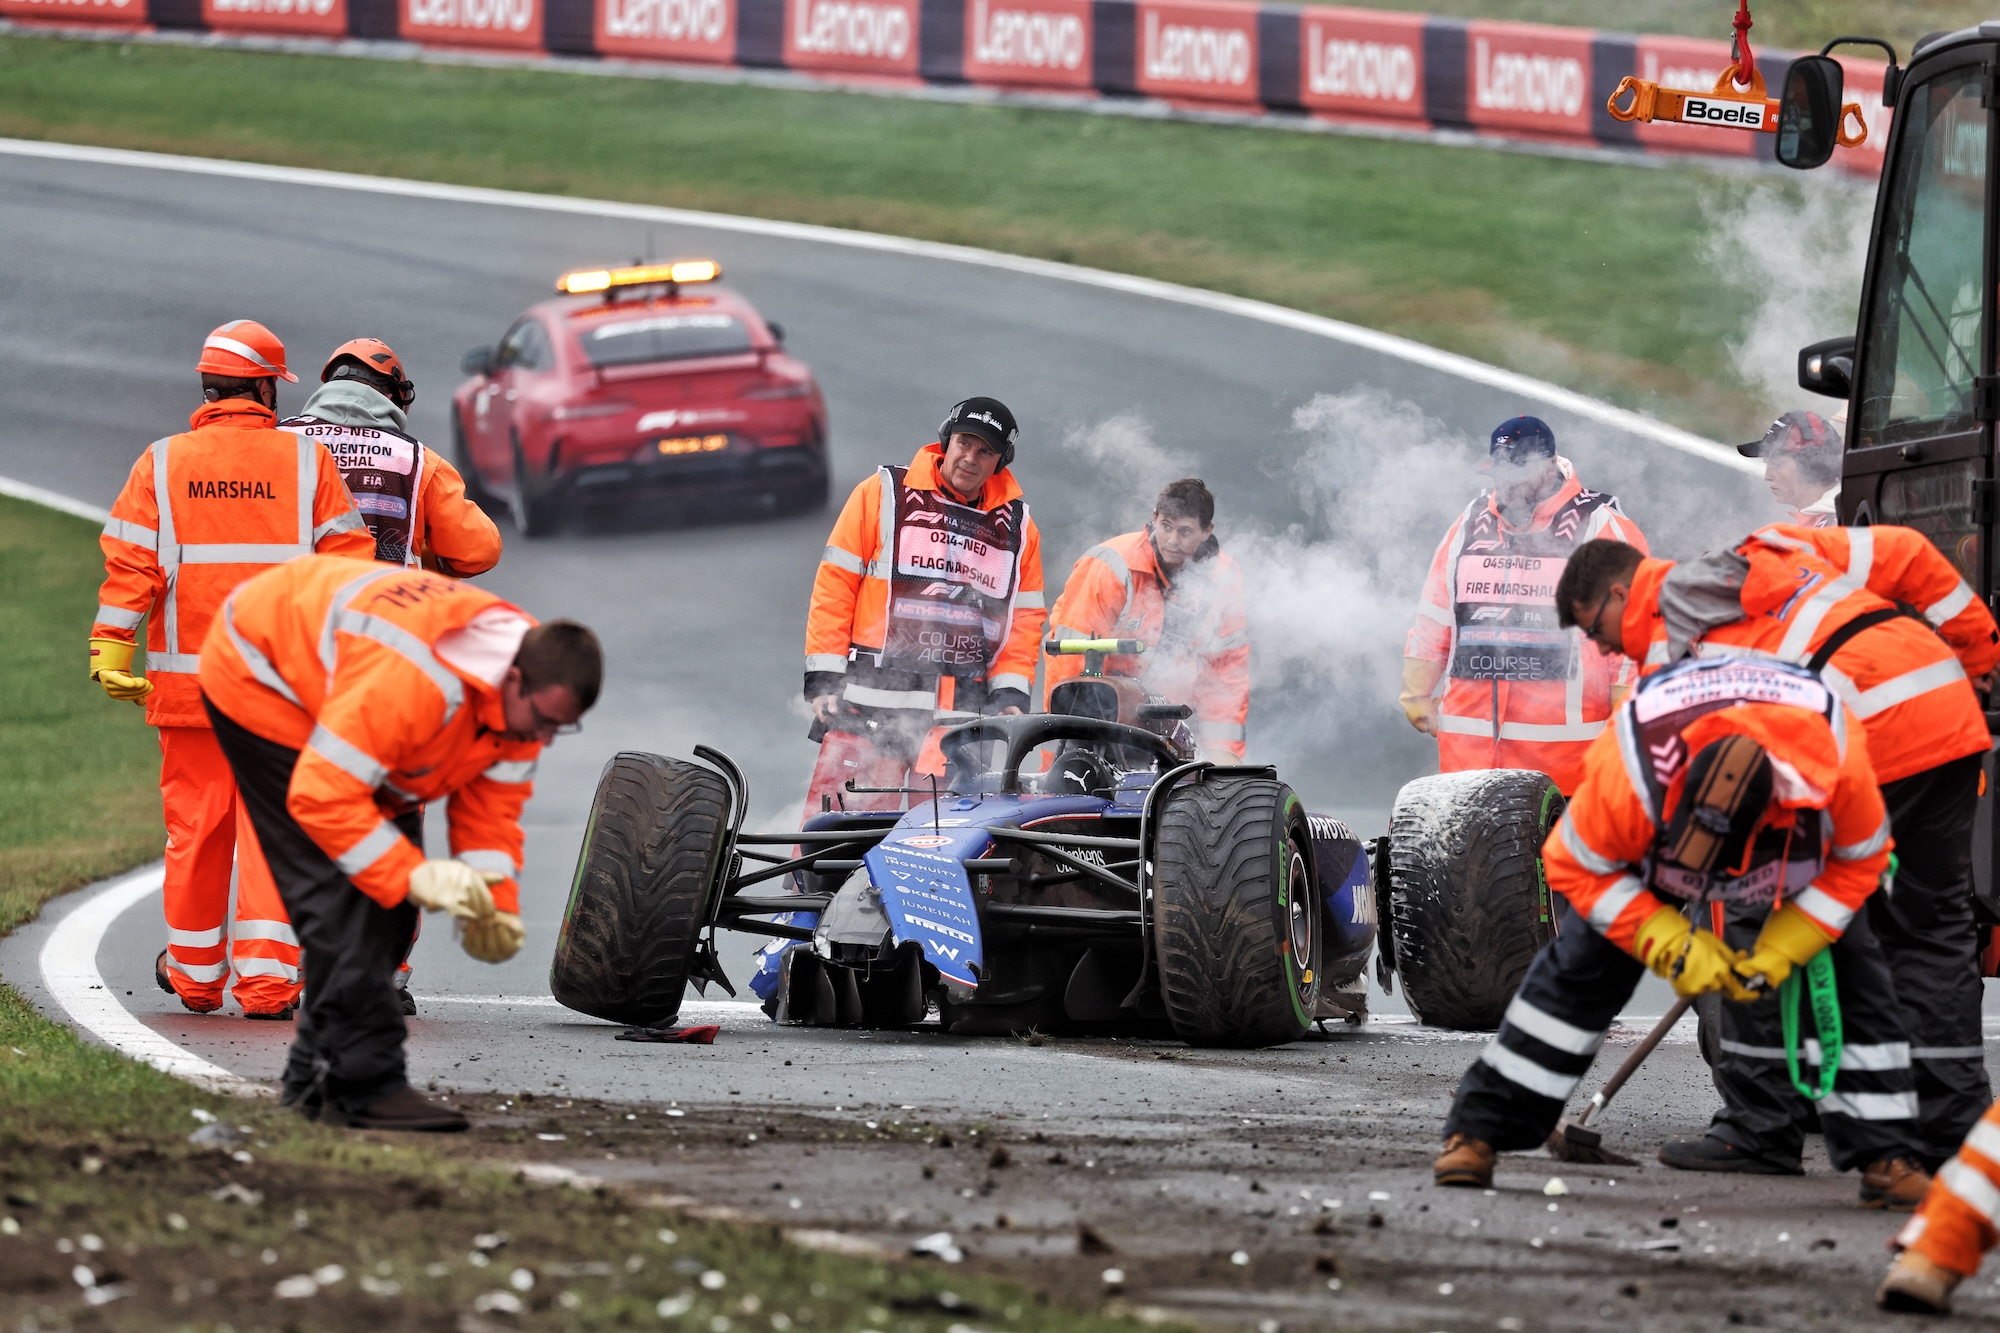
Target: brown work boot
<point>1915,1285</point>
<point>1466,1162</point>
<point>1895,1183</point>
<point>403,1109</point>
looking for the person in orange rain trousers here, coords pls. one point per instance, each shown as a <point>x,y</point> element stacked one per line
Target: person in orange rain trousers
<point>1519,691</point>
<point>1732,790</point>
<point>346,694</point>
<point>201,512</point>
<point>413,501</point>
<point>928,598</point>
<point>1172,587</point>
<point>1891,626</point>
<point>1946,1241</point>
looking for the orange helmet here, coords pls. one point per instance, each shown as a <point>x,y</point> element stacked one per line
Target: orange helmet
<point>244,349</point>
<point>375,364</point>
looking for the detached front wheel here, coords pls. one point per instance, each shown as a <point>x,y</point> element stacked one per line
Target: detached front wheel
<point>1236,913</point>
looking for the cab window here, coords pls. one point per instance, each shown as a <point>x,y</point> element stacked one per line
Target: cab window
<point>638,338</point>
<point>526,347</point>
<point>1922,339</point>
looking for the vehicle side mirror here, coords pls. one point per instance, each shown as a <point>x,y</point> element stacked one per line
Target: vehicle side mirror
<point>1828,367</point>
<point>478,361</point>
<point>777,331</point>
<point>1809,112</point>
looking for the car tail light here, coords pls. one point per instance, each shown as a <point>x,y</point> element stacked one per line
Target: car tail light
<point>782,389</point>
<point>578,411</point>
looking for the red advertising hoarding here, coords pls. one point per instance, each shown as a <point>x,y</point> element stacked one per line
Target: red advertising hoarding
<point>318,18</point>
<point>700,30</point>
<point>852,36</point>
<point>1362,62</point>
<point>1528,79</point>
<point>1028,43</point>
<point>1690,65</point>
<point>515,24</point>
<point>1197,51</point>
<point>130,13</point>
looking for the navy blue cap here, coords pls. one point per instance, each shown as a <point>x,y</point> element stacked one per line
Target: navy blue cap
<point>1521,437</point>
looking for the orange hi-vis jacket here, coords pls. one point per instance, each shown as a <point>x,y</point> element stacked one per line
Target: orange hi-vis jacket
<point>1520,691</point>
<point>200,513</point>
<point>349,662</point>
<point>849,624</point>
<point>1784,591</point>
<point>1600,855</point>
<point>1192,622</point>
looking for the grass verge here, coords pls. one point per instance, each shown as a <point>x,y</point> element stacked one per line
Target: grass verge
<point>1587,273</point>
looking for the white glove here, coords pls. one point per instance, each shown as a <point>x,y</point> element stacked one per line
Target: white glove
<point>454,887</point>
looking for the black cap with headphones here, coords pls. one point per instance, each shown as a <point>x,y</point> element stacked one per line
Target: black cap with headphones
<point>989,419</point>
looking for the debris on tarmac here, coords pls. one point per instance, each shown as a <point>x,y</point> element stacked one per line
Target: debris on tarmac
<point>701,1035</point>
<point>235,1193</point>
<point>937,1245</point>
<point>1090,1241</point>
<point>1555,1186</point>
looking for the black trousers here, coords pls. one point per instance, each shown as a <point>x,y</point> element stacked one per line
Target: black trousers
<point>348,1045</point>
<point>1928,932</point>
<point>1514,1094</point>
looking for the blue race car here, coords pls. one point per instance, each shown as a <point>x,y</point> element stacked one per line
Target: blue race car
<point>1110,884</point>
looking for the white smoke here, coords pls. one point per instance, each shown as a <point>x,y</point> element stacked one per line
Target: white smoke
<point>1796,249</point>
<point>1122,447</point>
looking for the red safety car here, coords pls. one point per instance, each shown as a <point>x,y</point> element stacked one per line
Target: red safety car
<point>635,382</point>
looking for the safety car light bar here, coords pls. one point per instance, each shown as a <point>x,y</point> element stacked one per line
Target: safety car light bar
<point>604,279</point>
<point>1121,647</point>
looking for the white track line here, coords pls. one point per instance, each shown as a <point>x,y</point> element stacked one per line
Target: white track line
<point>21,490</point>
<point>1384,344</point>
<point>69,970</point>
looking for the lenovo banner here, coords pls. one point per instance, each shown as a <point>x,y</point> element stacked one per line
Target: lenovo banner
<point>1362,62</point>
<point>854,36</point>
<point>76,11</point>
<point>1691,65</point>
<point>322,18</point>
<point>1029,43</point>
<point>1202,52</point>
<point>516,24</point>
<point>699,30</point>
<point>1525,78</point>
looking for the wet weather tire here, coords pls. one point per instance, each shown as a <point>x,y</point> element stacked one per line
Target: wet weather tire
<point>1236,913</point>
<point>636,906</point>
<point>1469,906</point>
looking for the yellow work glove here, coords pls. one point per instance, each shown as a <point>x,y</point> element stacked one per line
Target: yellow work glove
<point>493,939</point>
<point>1420,678</point>
<point>454,887</point>
<point>1704,961</point>
<point>1789,939</point>
<point>111,667</point>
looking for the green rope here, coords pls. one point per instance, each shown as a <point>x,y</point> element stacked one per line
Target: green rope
<point>1826,1018</point>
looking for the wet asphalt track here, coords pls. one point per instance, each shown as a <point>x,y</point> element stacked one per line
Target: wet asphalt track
<point>111,275</point>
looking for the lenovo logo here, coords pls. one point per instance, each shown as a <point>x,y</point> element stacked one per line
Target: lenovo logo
<point>670,20</point>
<point>1184,53</point>
<point>1026,38</point>
<point>1515,81</point>
<point>1375,71</point>
<point>478,15</point>
<point>851,28</point>
<point>273,6</point>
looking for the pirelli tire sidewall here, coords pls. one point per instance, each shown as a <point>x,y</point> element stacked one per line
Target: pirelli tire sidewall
<point>1233,887</point>
<point>1469,903</point>
<point>650,855</point>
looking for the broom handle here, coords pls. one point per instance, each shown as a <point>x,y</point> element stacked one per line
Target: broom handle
<point>1644,1049</point>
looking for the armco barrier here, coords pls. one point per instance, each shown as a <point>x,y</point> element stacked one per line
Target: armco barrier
<point>1415,71</point>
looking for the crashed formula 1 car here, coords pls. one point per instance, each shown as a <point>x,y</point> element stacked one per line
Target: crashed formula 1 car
<point>1127,887</point>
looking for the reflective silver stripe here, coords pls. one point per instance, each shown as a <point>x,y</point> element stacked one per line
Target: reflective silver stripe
<point>1971,1187</point>
<point>1951,1053</point>
<point>1820,905</point>
<point>328,642</point>
<point>1949,605</point>
<point>511,770</point>
<point>840,559</point>
<point>1984,1140</point>
<point>869,697</point>
<point>346,522</point>
<point>1870,1057</point>
<point>194,939</point>
<point>348,757</point>
<point>1758,1052</point>
<point>1797,643</point>
<point>1007,680</point>
<point>266,967</point>
<point>1872,1105</point>
<point>1229,642</point>
<point>884,563</point>
<point>1656,653</point>
<point>381,840</point>
<point>1032,601</point>
<point>281,931</point>
<point>1111,560</point>
<point>1604,912</point>
<point>125,530</point>
<point>241,553</point>
<point>308,489</point>
<point>497,863</point>
<point>1635,763</point>
<point>826,662</point>
<point>118,617</point>
<point>260,666</point>
<point>198,971</point>
<point>168,552</point>
<point>1432,611</point>
<point>413,650</point>
<point>1518,1068</point>
<point>1867,847</point>
<point>244,350</point>
<point>185,663</point>
<point>1587,856</point>
<point>1552,1031</point>
<point>1221,731</point>
<point>1520,731</point>
<point>1903,688</point>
